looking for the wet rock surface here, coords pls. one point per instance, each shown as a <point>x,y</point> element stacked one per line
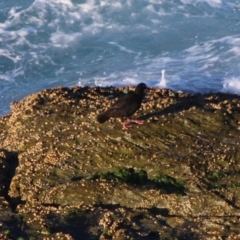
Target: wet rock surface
<point>65,176</point>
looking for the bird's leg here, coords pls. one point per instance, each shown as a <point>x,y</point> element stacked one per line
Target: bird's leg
<point>125,124</point>
<point>137,121</point>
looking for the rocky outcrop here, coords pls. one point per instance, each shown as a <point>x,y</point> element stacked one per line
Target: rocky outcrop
<point>63,175</point>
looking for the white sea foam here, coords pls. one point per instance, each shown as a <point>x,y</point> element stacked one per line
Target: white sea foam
<point>212,3</point>
<point>114,80</point>
<point>6,77</point>
<point>163,81</point>
<point>6,53</point>
<point>122,48</point>
<point>60,39</point>
<point>231,85</point>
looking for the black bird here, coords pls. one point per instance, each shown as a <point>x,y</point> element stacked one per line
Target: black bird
<point>125,107</point>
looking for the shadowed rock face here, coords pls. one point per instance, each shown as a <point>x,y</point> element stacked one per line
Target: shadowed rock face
<point>176,176</point>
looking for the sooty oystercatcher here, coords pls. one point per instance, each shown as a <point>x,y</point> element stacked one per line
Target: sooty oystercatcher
<point>125,107</point>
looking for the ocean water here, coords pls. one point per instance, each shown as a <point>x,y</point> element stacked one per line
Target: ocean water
<point>187,45</point>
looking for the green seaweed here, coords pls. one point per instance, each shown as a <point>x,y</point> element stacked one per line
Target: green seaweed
<point>216,176</point>
<point>165,183</point>
<point>168,184</point>
<point>127,175</point>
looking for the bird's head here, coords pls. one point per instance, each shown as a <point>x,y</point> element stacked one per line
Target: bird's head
<point>141,87</point>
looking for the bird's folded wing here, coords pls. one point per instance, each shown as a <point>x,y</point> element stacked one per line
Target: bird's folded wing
<point>122,102</point>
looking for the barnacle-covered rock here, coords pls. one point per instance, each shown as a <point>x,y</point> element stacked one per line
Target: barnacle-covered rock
<point>175,176</point>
